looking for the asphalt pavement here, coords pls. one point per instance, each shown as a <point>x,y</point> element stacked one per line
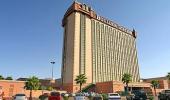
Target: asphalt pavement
<point>122,98</point>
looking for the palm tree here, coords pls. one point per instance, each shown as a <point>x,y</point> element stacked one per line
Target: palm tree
<point>32,83</point>
<point>168,76</point>
<point>1,77</point>
<point>126,79</point>
<point>155,85</point>
<point>81,79</point>
<point>9,78</point>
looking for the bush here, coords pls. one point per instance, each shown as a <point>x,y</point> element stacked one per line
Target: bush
<point>105,96</point>
<point>151,97</point>
<point>43,97</point>
<point>123,93</point>
<point>65,97</point>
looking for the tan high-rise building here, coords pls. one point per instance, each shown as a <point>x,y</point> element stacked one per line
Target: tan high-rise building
<point>97,47</point>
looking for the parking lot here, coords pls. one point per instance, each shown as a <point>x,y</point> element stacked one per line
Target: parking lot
<point>72,98</point>
<point>122,98</point>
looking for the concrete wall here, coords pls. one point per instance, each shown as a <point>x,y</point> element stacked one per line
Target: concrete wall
<point>109,87</point>
<point>10,88</point>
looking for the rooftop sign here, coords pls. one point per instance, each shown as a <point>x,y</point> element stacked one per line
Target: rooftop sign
<point>111,23</point>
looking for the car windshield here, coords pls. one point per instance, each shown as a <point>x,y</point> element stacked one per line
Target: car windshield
<point>139,92</point>
<point>167,91</point>
<point>114,94</point>
<point>20,95</point>
<point>55,94</point>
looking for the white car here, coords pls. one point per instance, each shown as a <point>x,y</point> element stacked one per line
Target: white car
<point>79,96</point>
<point>20,97</point>
<point>72,94</point>
<point>114,96</point>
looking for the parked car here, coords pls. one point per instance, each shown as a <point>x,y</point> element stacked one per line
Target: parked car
<point>54,96</point>
<point>139,95</point>
<point>20,97</point>
<point>114,96</point>
<point>85,94</point>
<point>79,96</point>
<point>99,97</point>
<point>44,96</point>
<point>62,94</point>
<point>72,94</point>
<point>164,95</point>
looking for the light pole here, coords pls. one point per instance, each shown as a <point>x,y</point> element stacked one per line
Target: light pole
<point>52,68</point>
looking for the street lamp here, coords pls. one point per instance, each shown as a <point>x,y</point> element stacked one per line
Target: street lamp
<point>52,68</point>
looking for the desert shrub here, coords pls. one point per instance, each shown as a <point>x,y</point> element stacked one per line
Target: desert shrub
<point>105,96</point>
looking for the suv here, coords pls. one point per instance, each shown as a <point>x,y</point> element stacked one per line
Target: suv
<point>164,95</point>
<point>138,95</point>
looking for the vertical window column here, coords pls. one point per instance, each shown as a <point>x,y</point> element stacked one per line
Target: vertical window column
<point>82,43</point>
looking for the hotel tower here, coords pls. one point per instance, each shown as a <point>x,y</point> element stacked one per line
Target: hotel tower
<point>97,47</point>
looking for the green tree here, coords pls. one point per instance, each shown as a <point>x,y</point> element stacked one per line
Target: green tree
<point>9,78</point>
<point>1,77</point>
<point>81,79</point>
<point>155,85</point>
<point>168,76</point>
<point>32,83</point>
<point>126,79</point>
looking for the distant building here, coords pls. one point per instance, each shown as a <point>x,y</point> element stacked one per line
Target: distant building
<point>97,47</point>
<point>164,83</point>
<point>12,87</point>
<point>117,86</point>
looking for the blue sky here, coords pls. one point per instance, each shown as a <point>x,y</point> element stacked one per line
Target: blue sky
<point>31,34</point>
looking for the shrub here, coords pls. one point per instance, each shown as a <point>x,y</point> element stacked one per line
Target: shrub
<point>65,97</point>
<point>105,96</point>
<point>151,97</point>
<point>43,97</point>
<point>123,93</point>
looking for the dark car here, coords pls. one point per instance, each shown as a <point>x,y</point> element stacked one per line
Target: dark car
<point>164,95</point>
<point>44,96</point>
<point>139,95</point>
<point>54,96</point>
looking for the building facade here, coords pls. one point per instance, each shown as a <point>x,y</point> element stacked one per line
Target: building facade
<point>117,86</point>
<point>164,83</point>
<point>97,47</point>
